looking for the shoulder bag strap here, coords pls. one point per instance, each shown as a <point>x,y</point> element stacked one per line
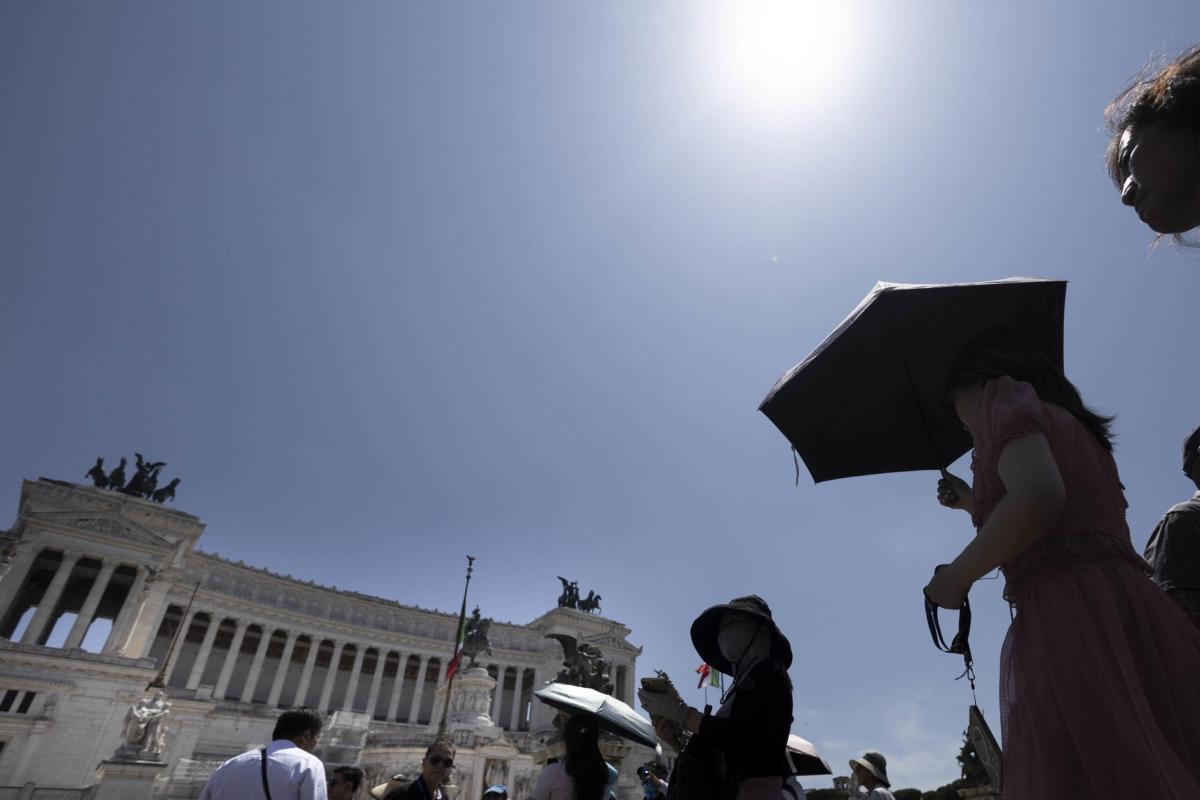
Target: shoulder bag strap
<point>266,786</point>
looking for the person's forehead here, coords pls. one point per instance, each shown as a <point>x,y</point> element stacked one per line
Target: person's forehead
<point>441,750</point>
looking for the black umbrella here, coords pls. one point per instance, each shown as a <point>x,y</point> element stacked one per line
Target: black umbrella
<point>869,399</point>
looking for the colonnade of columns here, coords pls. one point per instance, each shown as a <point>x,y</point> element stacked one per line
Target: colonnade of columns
<point>277,666</point>
<point>281,667</point>
<point>68,580</point>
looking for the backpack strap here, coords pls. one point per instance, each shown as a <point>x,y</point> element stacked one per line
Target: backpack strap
<point>266,786</point>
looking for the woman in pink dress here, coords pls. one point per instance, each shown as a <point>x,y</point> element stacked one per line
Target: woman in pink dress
<point>1100,672</point>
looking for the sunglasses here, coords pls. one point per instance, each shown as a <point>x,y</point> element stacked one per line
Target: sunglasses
<point>437,761</point>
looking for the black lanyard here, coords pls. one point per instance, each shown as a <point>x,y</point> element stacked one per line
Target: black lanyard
<point>959,645</point>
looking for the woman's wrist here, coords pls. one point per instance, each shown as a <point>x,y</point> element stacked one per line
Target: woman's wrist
<point>958,572</point>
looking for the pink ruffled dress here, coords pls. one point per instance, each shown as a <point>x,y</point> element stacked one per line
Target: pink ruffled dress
<point>1100,671</point>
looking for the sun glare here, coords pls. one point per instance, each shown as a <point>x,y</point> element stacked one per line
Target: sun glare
<point>778,56</point>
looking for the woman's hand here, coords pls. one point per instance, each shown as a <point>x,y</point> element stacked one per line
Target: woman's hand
<point>953,492</point>
<point>669,733</point>
<point>668,705</point>
<point>947,589</point>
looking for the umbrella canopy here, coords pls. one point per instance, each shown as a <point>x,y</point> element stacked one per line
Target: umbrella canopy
<point>804,758</point>
<point>869,399</point>
<point>611,714</point>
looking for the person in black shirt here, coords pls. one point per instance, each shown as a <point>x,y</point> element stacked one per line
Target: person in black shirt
<point>1173,550</point>
<point>750,730</point>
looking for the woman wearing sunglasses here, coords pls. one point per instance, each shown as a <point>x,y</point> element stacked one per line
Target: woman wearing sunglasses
<point>582,774</point>
<point>1098,672</point>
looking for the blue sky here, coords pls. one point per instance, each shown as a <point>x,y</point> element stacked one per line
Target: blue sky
<point>392,283</point>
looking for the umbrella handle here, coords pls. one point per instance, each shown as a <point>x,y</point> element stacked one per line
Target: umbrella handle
<point>946,477</point>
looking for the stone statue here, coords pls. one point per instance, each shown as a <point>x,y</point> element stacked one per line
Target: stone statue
<point>116,478</point>
<point>168,493</point>
<point>476,639</point>
<point>96,473</point>
<point>591,603</point>
<point>496,771</point>
<point>145,480</point>
<point>583,664</point>
<point>145,734</point>
<point>973,770</point>
<point>522,785</point>
<point>138,482</point>
<point>151,483</point>
<point>564,599</point>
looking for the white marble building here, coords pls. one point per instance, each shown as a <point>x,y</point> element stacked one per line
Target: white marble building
<point>96,586</point>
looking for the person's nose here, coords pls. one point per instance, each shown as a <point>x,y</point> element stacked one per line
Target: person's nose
<point>1129,192</point>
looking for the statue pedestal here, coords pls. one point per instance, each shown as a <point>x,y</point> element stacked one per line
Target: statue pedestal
<point>470,705</point>
<point>127,780</point>
<point>343,736</point>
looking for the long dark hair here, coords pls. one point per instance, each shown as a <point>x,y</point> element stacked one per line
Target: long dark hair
<point>583,761</point>
<point>1001,352</point>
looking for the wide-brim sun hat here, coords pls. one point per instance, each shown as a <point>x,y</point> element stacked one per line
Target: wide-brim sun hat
<point>708,625</point>
<point>875,764</point>
<point>395,782</point>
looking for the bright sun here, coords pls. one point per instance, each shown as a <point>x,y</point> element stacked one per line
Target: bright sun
<point>778,56</point>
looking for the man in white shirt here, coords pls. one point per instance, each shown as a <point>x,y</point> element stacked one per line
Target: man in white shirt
<point>285,769</point>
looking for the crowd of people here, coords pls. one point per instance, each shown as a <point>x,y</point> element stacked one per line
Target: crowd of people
<point>1099,689</point>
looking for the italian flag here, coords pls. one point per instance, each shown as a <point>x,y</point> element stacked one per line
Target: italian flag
<point>458,642</point>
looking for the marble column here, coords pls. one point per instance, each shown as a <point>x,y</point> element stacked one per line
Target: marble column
<point>210,635</point>
<point>49,602</point>
<point>499,693</point>
<point>515,715</point>
<point>129,611</point>
<point>14,579</point>
<point>260,655</point>
<point>397,688</point>
<point>376,681</point>
<point>415,712</point>
<point>314,644</point>
<point>231,657</point>
<point>331,676</point>
<point>285,663</point>
<point>84,619</point>
<point>360,653</point>
<point>149,619</point>
<point>177,643</point>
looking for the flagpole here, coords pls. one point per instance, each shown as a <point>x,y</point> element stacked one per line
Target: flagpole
<point>160,680</point>
<point>462,618</point>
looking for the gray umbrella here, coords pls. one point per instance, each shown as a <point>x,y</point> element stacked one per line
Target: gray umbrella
<point>869,399</point>
<point>611,714</point>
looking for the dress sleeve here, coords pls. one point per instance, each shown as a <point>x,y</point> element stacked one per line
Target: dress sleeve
<point>1012,409</point>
